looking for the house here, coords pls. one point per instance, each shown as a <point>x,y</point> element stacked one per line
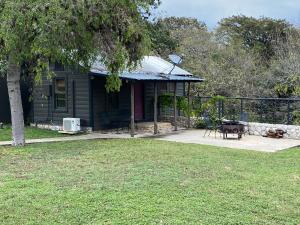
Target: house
<point>4,102</point>
<point>5,116</point>
<point>72,93</point>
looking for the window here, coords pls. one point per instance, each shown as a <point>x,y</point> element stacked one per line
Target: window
<point>60,95</point>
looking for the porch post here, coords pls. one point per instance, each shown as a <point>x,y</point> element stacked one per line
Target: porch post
<point>189,105</point>
<point>155,108</point>
<point>175,107</point>
<point>132,125</point>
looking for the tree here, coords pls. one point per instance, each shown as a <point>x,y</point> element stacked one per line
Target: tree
<point>70,32</point>
<point>163,43</point>
<point>221,65</point>
<point>259,35</point>
<point>284,71</point>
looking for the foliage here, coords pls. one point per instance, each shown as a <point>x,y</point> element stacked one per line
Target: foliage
<point>167,100</point>
<point>210,109</point>
<point>296,117</point>
<point>144,181</point>
<point>163,43</point>
<point>243,57</point>
<point>284,71</point>
<point>259,35</point>
<point>73,32</point>
<point>200,123</point>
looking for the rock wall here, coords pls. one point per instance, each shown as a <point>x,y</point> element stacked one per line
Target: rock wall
<point>257,129</point>
<point>56,127</point>
<point>261,129</point>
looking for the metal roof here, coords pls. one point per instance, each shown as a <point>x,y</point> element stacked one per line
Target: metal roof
<point>151,68</point>
<point>152,77</point>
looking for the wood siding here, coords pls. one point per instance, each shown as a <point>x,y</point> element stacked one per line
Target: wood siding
<point>4,102</point>
<point>108,114</point>
<point>88,100</point>
<point>78,104</point>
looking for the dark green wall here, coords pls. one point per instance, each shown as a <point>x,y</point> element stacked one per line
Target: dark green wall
<point>77,99</point>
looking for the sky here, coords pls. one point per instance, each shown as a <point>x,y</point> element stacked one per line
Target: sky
<point>212,11</point>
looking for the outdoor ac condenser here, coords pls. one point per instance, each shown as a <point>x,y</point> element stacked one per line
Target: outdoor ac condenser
<point>71,124</point>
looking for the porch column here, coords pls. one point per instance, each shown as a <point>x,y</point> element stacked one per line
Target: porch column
<point>189,105</point>
<point>175,107</point>
<point>155,108</point>
<point>132,125</point>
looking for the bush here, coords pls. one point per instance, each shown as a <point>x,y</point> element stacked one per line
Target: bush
<point>296,118</point>
<point>200,124</point>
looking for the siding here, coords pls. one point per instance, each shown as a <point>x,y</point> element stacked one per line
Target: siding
<point>4,102</point>
<point>105,115</point>
<point>77,99</point>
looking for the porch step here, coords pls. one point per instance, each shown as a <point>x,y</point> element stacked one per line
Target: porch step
<point>149,126</point>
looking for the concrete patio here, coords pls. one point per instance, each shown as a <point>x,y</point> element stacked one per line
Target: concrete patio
<point>248,142</point>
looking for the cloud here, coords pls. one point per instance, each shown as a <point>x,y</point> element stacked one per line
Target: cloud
<point>212,11</point>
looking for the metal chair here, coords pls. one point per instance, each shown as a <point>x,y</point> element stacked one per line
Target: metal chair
<point>210,126</point>
<point>244,119</point>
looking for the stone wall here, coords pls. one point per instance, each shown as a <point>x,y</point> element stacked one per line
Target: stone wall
<point>261,129</point>
<point>181,121</point>
<point>257,129</point>
<point>56,127</point>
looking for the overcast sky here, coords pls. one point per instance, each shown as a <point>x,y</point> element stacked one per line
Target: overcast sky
<point>212,11</point>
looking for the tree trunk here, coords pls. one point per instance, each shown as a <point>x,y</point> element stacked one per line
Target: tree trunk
<point>15,99</point>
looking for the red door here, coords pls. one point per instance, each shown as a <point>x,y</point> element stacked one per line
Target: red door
<point>139,101</point>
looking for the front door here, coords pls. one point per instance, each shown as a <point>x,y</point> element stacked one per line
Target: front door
<point>139,101</point>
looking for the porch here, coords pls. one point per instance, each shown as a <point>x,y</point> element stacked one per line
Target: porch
<point>137,103</point>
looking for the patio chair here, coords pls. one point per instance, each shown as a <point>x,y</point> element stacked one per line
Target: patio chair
<point>210,126</point>
<point>244,119</point>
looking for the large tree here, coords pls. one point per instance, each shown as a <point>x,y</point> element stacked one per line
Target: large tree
<point>71,32</point>
<point>259,35</point>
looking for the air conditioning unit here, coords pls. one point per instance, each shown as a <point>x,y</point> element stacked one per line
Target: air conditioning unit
<point>71,124</point>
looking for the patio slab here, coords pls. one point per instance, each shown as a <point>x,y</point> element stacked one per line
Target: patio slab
<point>248,142</point>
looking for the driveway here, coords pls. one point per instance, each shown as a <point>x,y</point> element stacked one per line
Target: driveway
<point>248,142</point>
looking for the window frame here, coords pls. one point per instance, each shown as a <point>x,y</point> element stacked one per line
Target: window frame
<point>56,108</point>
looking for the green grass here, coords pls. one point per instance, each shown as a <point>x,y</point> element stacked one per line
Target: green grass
<point>147,182</point>
<point>30,133</point>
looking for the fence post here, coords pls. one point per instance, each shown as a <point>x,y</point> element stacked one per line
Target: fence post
<point>219,109</point>
<point>242,107</point>
<point>289,113</point>
<point>222,108</point>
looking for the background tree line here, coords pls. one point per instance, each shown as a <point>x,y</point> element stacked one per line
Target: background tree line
<point>242,57</point>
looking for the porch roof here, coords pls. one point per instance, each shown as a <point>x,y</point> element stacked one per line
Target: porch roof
<point>153,77</point>
<point>151,68</point>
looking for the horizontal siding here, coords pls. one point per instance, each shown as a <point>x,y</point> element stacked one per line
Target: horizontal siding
<point>44,111</point>
<point>104,116</point>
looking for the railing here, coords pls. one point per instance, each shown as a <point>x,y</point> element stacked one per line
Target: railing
<point>261,110</point>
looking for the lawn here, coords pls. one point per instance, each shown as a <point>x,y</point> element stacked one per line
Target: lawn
<point>30,133</point>
<point>147,182</point>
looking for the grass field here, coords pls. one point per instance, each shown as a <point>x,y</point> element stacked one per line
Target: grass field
<point>30,133</point>
<point>147,182</point>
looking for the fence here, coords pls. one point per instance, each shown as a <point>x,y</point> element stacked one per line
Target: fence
<point>261,110</point>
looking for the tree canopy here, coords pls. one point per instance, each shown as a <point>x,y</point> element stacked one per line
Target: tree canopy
<point>259,35</point>
<point>244,56</point>
<point>75,32</point>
